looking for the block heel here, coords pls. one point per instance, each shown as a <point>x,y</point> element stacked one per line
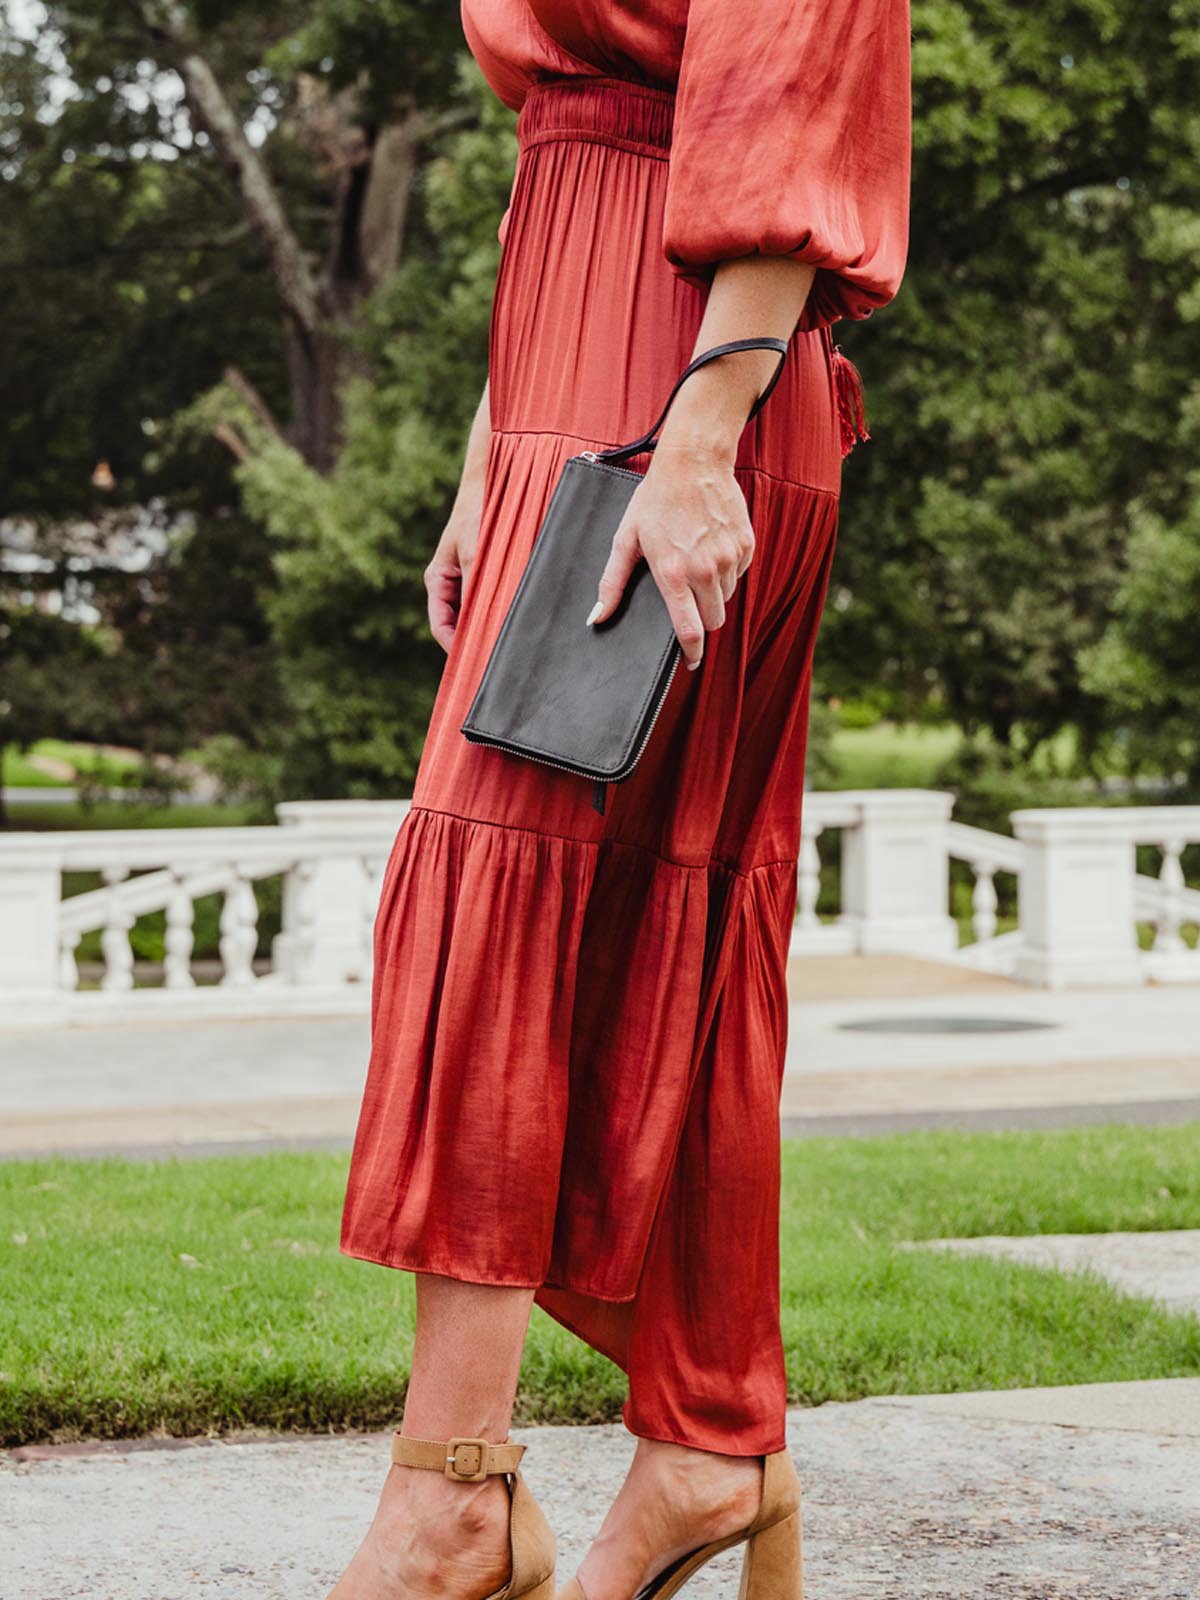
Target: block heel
<point>772,1568</point>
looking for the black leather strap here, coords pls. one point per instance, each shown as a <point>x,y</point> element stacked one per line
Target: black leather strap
<point>649,440</point>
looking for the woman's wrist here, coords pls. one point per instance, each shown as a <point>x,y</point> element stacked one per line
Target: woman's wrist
<point>708,416</point>
<point>467,507</point>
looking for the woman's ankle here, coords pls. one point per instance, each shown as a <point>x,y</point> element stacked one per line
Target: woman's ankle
<point>437,1503</point>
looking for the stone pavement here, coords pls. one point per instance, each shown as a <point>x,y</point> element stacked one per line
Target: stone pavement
<point>1086,1493</point>
<point>1159,1266</point>
<point>874,1043</point>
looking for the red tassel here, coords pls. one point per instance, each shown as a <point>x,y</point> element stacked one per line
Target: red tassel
<point>849,387</point>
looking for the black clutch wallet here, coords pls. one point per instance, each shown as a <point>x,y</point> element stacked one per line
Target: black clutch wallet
<point>555,690</point>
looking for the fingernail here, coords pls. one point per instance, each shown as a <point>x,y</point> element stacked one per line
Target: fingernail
<point>692,665</point>
<point>595,612</point>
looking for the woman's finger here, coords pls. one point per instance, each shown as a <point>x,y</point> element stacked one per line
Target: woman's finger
<point>622,559</point>
<point>710,602</point>
<point>444,589</point>
<point>684,613</point>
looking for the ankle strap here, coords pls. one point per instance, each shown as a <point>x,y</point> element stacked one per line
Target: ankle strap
<point>467,1460</point>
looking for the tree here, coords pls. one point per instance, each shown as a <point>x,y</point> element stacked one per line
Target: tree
<point>278,222</point>
<point>1146,665</point>
<point>1026,388</point>
<point>349,91</point>
<point>348,608</point>
<point>197,192</point>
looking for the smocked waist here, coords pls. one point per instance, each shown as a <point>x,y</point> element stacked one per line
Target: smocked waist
<point>614,111</point>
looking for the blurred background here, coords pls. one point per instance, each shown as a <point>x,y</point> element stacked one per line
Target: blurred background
<point>247,254</point>
<point>246,263</point>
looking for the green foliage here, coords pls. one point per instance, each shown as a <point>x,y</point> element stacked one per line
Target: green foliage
<point>1147,663</point>
<point>350,547</point>
<point>1027,388</point>
<point>1018,549</point>
<point>117,262</point>
<point>187,1296</point>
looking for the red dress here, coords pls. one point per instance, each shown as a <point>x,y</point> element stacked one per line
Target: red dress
<point>579,1020</point>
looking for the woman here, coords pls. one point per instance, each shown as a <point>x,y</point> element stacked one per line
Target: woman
<point>579,1019</point>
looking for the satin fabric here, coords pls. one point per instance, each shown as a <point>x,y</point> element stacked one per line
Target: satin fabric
<point>579,1021</point>
<point>792,130</point>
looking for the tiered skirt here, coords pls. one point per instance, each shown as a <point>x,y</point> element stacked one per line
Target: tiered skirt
<point>579,1020</point>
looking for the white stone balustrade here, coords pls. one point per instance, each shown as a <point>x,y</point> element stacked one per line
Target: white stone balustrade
<point>330,857</point>
<point>1082,896</point>
<point>894,852</point>
<point>1080,899</point>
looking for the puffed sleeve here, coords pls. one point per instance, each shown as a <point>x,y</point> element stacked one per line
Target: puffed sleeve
<point>793,137</point>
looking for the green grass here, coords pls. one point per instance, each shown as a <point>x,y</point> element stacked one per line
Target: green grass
<point>17,772</point>
<point>123,814</point>
<point>892,755</point>
<point>906,755</point>
<point>116,771</point>
<point>196,1296</point>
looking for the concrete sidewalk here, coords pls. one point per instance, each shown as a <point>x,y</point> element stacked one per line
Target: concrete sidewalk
<point>1086,1493</point>
<point>874,1043</point>
<point>1162,1266</point>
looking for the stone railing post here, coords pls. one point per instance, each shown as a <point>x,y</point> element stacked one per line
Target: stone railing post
<point>30,895</point>
<point>896,872</point>
<point>1077,898</point>
<point>325,935</point>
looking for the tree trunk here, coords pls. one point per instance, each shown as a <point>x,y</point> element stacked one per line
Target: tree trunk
<point>315,371</point>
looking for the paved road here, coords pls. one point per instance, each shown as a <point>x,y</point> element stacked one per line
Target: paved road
<point>153,1087</point>
<point>1089,1493</point>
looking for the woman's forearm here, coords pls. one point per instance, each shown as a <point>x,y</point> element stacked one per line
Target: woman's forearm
<point>470,485</point>
<point>450,565</point>
<point>688,516</point>
<point>749,296</point>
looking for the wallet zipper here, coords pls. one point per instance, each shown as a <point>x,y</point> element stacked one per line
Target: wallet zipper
<point>562,766</point>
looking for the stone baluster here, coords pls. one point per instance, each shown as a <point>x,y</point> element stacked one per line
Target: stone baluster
<point>1168,937</point>
<point>68,967</point>
<point>114,940</point>
<point>239,931</point>
<point>984,901</point>
<point>181,915</point>
<point>808,884</point>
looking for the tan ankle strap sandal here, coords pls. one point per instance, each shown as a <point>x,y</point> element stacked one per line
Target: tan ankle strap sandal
<point>772,1566</point>
<point>467,1460</point>
<point>471,1461</point>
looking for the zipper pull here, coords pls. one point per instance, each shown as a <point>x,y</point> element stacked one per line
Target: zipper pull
<point>598,791</point>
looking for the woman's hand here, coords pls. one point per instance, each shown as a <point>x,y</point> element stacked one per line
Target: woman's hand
<point>689,520</point>
<point>447,573</point>
<point>689,517</point>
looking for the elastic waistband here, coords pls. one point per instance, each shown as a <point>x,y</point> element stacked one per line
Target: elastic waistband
<point>631,116</point>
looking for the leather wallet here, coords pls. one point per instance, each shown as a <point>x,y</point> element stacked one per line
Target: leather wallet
<point>585,699</point>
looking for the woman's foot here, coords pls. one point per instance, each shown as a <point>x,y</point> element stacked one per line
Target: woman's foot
<point>432,1537</point>
<point>673,1500</point>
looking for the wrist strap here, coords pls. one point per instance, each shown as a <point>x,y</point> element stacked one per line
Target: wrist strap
<point>649,440</point>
